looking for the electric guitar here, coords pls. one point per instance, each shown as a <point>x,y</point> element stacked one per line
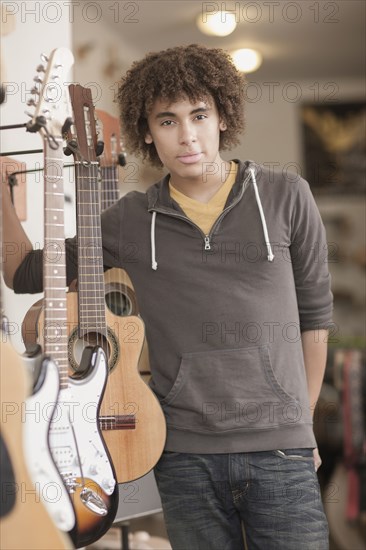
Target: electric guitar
<point>21,505</point>
<point>131,418</point>
<point>75,440</point>
<point>50,115</point>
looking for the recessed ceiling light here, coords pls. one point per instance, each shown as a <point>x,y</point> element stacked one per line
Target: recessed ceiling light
<point>246,60</point>
<point>220,23</point>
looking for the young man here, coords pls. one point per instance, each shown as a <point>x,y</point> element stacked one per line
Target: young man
<point>230,272</point>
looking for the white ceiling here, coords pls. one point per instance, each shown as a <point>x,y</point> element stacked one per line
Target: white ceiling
<point>298,40</point>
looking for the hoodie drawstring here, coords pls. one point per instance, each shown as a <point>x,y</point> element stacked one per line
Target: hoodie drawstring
<point>264,224</point>
<point>270,256</point>
<point>154,264</point>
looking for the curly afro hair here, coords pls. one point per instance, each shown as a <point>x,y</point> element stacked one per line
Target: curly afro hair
<point>192,71</point>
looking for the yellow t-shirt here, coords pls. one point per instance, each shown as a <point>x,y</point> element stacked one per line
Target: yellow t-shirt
<point>205,214</point>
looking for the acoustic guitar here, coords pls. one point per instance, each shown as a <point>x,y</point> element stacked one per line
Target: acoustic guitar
<point>131,418</point>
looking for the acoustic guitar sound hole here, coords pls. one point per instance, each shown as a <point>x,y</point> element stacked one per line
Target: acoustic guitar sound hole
<point>76,347</point>
<point>120,300</point>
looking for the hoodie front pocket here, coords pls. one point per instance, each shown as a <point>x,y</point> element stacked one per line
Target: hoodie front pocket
<point>228,390</point>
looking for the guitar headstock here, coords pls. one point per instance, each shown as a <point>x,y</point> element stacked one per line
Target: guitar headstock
<point>84,128</point>
<point>51,100</point>
<point>114,153</point>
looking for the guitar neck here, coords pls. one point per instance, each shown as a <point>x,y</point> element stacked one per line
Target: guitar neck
<point>90,253</point>
<point>113,148</point>
<point>54,260</point>
<point>1,246</point>
<point>109,187</point>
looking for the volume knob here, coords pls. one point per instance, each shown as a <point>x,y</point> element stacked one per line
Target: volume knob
<point>94,469</point>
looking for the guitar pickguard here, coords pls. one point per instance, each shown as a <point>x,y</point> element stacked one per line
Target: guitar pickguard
<point>76,443</point>
<point>37,414</point>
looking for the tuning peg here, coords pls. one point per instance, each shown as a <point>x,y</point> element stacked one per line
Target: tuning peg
<point>72,147</point>
<point>34,91</point>
<point>28,114</point>
<point>55,77</point>
<point>38,80</point>
<point>122,159</point>
<point>58,66</point>
<point>41,69</point>
<point>47,114</point>
<point>98,126</point>
<point>99,148</point>
<point>31,103</point>
<point>44,58</point>
<point>67,125</point>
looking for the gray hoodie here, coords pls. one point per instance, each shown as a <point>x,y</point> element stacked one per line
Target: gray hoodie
<point>224,312</point>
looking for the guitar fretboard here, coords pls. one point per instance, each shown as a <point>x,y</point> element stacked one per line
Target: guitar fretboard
<point>90,259</point>
<point>109,189</point>
<point>54,265</point>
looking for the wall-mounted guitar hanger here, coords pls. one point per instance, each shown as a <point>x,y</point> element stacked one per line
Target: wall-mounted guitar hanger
<point>12,126</point>
<point>14,153</point>
<point>33,127</point>
<point>70,148</point>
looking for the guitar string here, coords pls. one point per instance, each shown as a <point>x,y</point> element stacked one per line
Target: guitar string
<point>56,293</point>
<point>92,193</point>
<point>106,196</point>
<point>102,202</point>
<point>110,188</point>
<point>86,181</point>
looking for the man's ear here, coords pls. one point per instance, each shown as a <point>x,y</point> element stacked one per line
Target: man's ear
<point>148,138</point>
<point>223,126</point>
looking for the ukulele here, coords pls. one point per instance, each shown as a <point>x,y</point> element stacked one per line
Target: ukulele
<point>120,295</point>
<point>21,506</point>
<point>131,418</point>
<point>119,292</point>
<point>75,439</point>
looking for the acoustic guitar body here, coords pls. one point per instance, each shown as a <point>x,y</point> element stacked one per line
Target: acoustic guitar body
<point>132,421</point>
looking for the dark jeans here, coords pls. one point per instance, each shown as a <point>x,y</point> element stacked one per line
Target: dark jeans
<point>274,495</point>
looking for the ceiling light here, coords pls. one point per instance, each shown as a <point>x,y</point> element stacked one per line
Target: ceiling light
<point>246,60</point>
<point>220,23</point>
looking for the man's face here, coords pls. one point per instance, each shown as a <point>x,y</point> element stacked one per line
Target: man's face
<point>186,136</point>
